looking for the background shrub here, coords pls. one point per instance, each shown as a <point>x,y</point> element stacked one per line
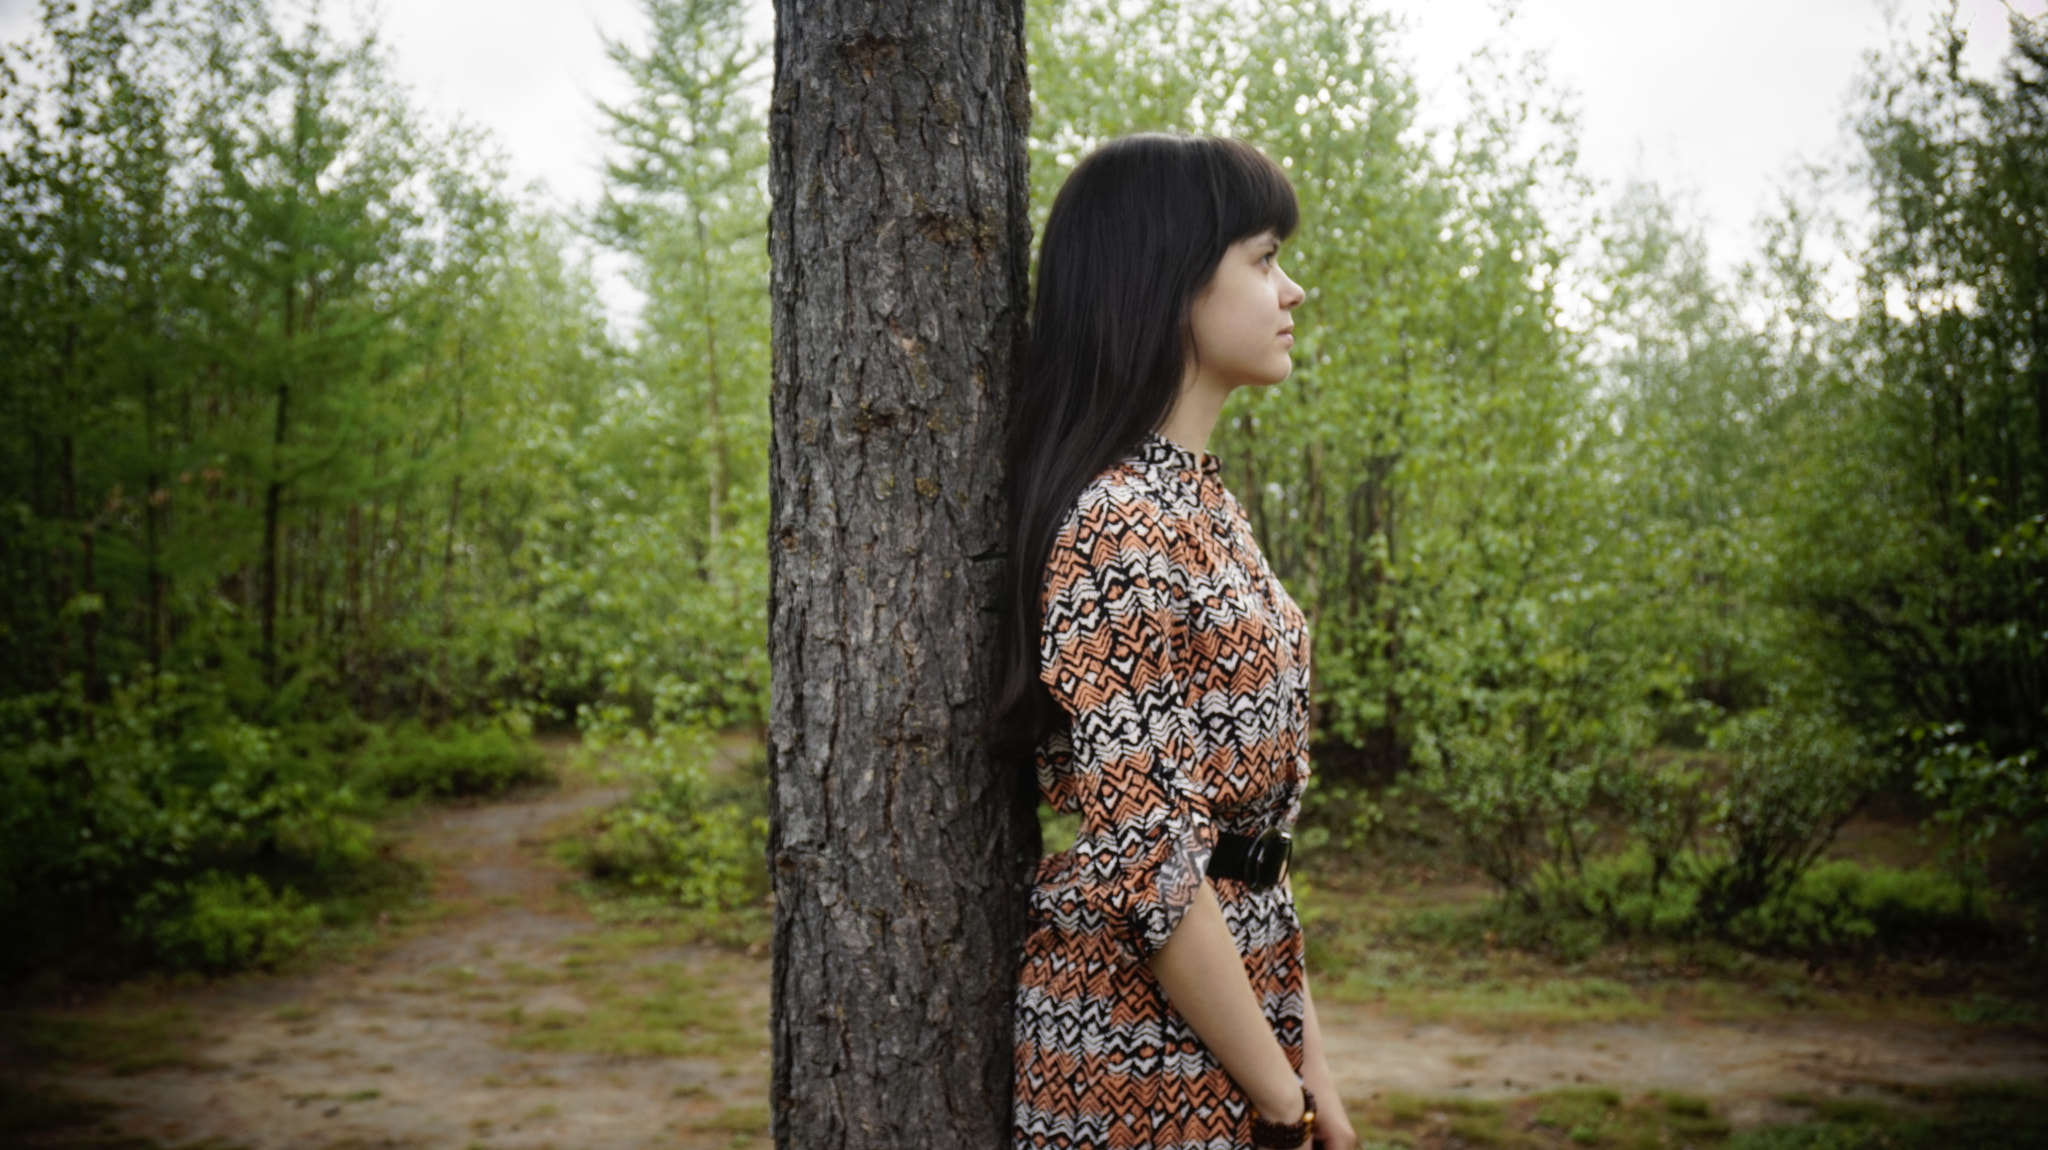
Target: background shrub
<point>455,760</point>
<point>220,922</point>
<point>1795,775</point>
<point>695,837</point>
<point>159,827</point>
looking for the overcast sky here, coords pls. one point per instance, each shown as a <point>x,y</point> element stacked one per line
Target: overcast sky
<point>1715,101</point>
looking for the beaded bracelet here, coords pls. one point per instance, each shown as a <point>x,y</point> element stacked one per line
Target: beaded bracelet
<point>1286,1136</point>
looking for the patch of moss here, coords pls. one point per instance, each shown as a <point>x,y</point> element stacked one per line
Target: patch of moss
<point>637,1000</point>
<point>1981,1116</point>
<point>124,1038</point>
<point>739,1120</point>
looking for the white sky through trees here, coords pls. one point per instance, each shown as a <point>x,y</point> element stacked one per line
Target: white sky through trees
<point>1717,103</point>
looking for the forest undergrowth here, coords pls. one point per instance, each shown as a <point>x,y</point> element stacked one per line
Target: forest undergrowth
<point>1880,927</point>
<point>1398,927</point>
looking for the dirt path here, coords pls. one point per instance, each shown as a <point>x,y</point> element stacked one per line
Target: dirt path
<point>1744,1067</point>
<point>513,1020</point>
<point>417,1047</point>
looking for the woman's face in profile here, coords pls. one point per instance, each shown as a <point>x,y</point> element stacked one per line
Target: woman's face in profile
<point>1242,323</point>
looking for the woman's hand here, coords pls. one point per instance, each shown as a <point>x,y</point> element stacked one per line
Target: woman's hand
<point>1333,1126</point>
<point>1334,1140</point>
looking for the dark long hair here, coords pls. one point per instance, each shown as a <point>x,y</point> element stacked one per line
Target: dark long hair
<point>1135,234</point>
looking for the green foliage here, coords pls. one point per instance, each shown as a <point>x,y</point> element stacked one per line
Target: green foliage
<point>307,430</point>
<point>159,814</point>
<point>685,196</point>
<point>697,840</point>
<point>1838,907</point>
<point>1998,1010</point>
<point>1913,529</point>
<point>293,396</point>
<point>1338,815</point>
<point>1841,906</point>
<point>220,922</point>
<point>460,759</point>
<point>1794,778</point>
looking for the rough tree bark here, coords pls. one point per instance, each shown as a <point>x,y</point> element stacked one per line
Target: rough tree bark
<point>899,240</point>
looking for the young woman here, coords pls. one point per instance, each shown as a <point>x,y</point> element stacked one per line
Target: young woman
<point>1160,671</point>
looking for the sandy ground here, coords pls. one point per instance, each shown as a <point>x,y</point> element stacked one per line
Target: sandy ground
<point>409,1047</point>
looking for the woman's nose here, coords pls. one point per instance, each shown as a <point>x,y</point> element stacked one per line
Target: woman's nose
<point>1290,292</point>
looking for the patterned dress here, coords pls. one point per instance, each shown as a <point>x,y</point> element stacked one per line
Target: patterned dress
<point>1184,667</point>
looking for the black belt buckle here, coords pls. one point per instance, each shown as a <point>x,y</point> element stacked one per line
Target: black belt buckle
<point>1258,861</point>
<point>1265,863</point>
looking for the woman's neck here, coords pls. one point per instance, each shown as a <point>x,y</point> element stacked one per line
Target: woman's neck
<point>1194,414</point>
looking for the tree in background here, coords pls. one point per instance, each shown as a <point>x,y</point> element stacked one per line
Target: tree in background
<point>307,434</point>
<point>228,244</point>
<point>686,196</point>
<point>1917,524</point>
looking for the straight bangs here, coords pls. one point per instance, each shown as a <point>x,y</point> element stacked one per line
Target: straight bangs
<point>1253,194</point>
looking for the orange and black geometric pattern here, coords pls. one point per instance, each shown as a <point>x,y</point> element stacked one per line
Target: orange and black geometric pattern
<point>1183,667</point>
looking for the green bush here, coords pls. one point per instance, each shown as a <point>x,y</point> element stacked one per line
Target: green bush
<point>142,824</point>
<point>1796,774</point>
<point>1846,906</point>
<point>221,922</point>
<point>454,760</point>
<point>1633,892</point>
<point>1835,907</point>
<point>699,840</point>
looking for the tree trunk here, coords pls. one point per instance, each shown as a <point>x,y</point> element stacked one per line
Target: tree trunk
<point>273,504</point>
<point>713,417</point>
<point>155,522</point>
<point>899,241</point>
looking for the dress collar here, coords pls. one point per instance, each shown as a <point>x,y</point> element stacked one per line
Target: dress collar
<point>1156,448</point>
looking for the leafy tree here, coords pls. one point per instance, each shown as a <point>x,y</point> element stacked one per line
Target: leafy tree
<point>257,317</point>
<point>1918,546</point>
<point>686,195</point>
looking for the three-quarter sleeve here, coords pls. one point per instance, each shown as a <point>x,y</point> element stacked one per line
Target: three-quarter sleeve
<point>1112,608</point>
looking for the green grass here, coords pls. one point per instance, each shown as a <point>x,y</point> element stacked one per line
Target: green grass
<point>739,1120</point>
<point>1990,1116</point>
<point>50,1119</point>
<point>123,1036</point>
<point>1507,1004</point>
<point>1425,948</point>
<point>1976,1116</point>
<point>26,1110</point>
<point>1997,1010</point>
<point>637,999</point>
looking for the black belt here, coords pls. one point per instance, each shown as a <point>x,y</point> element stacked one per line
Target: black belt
<point>1258,861</point>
